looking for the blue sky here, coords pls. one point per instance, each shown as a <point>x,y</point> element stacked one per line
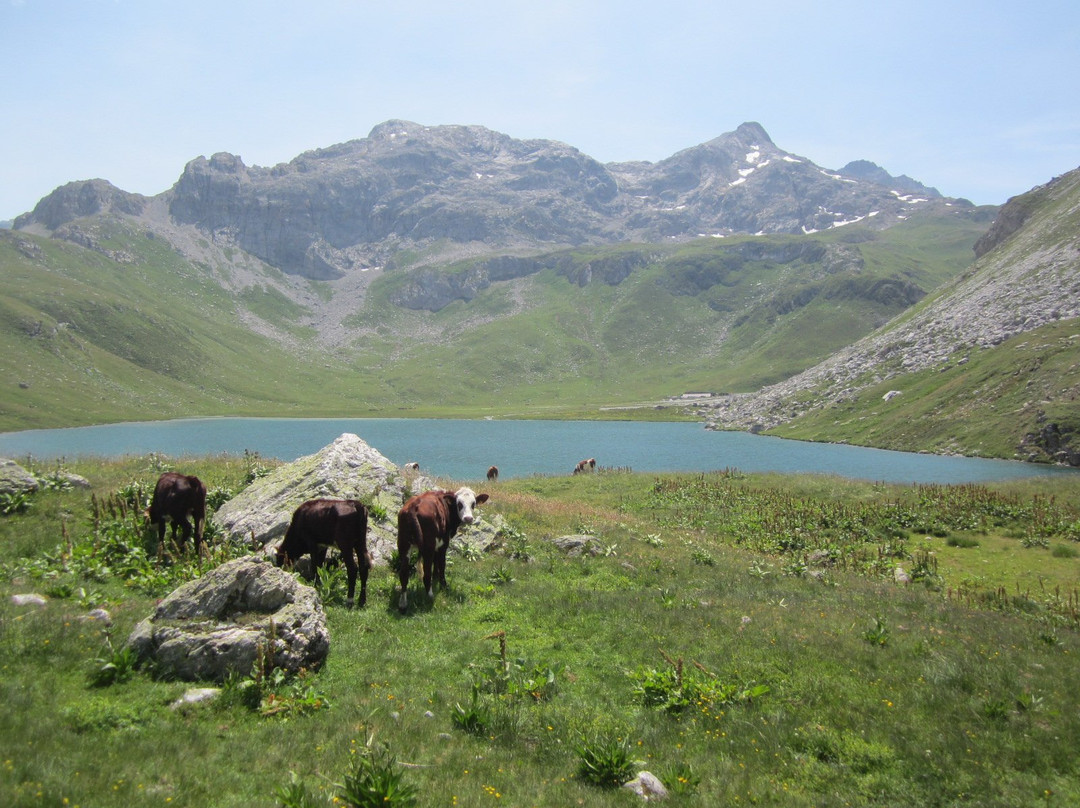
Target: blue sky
<point>979,99</point>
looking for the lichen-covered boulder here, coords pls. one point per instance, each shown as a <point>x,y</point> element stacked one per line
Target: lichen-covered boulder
<point>14,479</point>
<point>243,612</point>
<point>346,469</point>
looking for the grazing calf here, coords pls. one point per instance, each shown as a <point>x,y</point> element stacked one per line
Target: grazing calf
<point>176,497</point>
<point>412,467</point>
<point>317,524</point>
<point>493,474</point>
<point>585,465</point>
<point>428,521</point>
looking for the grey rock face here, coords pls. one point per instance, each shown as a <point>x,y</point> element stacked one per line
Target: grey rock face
<point>78,199</point>
<point>14,479</point>
<point>346,469</point>
<point>244,611</point>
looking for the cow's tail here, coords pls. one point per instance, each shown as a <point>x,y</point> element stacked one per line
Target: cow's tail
<point>408,524</point>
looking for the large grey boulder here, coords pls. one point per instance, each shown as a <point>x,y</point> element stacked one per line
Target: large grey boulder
<point>346,469</point>
<point>243,612</point>
<point>14,479</point>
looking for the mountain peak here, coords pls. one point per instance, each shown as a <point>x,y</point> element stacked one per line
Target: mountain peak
<point>754,131</point>
<point>82,198</point>
<point>872,172</point>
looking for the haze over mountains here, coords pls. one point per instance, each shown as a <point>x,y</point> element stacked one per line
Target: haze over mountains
<point>447,266</point>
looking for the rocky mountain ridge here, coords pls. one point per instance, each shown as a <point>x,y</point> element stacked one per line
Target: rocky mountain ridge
<point>436,194</point>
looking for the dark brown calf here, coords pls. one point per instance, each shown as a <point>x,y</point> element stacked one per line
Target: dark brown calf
<point>317,524</point>
<point>428,521</point>
<point>176,497</point>
<point>493,474</point>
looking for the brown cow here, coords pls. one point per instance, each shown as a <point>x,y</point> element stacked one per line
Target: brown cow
<point>428,521</point>
<point>493,474</point>
<point>317,524</point>
<point>176,497</point>
<point>585,465</point>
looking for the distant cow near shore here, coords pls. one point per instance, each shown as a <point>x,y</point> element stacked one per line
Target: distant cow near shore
<point>428,521</point>
<point>319,523</point>
<point>177,497</point>
<point>411,467</point>
<point>585,465</point>
<point>493,474</point>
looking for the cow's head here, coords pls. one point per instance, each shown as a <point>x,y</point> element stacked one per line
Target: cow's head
<point>466,500</point>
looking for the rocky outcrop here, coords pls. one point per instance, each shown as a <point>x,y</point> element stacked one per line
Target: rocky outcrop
<point>77,200</point>
<point>432,288</point>
<point>1053,441</point>
<point>346,469</point>
<point>244,612</point>
<point>14,479</point>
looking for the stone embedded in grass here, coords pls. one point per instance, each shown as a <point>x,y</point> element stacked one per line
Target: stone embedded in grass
<point>647,786</point>
<point>196,695</point>
<point>577,545</point>
<point>29,599</point>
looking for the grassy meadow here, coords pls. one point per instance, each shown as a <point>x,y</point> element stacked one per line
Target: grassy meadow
<point>743,637</point>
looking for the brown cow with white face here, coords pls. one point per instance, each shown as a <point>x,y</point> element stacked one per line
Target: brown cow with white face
<point>428,521</point>
<point>585,465</point>
<point>177,497</point>
<point>319,523</point>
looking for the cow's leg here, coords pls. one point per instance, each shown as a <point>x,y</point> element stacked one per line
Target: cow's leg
<point>403,576</point>
<point>440,564</point>
<point>318,559</point>
<point>174,526</point>
<point>349,558</point>
<point>427,555</point>
<point>185,528</point>
<point>161,540</point>
<point>365,568</point>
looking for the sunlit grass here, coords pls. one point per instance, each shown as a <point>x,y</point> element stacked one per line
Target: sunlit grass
<point>847,689</point>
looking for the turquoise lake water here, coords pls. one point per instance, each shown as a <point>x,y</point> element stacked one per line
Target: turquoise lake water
<point>463,449</point>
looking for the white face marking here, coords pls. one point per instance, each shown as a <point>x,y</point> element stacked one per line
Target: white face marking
<point>466,501</point>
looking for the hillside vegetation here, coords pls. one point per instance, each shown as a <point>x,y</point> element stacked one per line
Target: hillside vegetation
<point>1019,400</point>
<point>129,329</point>
<point>989,363</point>
<point>744,638</point>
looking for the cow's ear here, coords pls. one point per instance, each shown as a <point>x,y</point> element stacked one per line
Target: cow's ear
<point>481,498</point>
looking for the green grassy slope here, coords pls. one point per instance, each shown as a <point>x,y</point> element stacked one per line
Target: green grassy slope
<point>736,324</point>
<point>87,338</point>
<point>986,406</point>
